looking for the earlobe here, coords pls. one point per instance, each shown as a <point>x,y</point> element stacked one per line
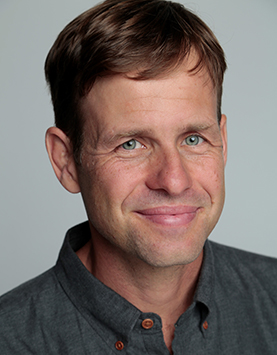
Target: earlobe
<point>61,157</point>
<point>223,130</point>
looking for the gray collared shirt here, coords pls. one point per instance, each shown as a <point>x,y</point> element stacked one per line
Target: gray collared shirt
<point>68,311</point>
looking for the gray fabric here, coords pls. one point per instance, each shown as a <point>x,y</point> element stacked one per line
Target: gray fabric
<point>67,311</point>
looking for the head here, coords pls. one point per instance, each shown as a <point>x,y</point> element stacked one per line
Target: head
<point>136,87</point>
<point>150,38</point>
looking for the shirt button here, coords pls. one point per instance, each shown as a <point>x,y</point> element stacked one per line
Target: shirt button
<point>205,325</point>
<point>147,323</point>
<point>119,345</point>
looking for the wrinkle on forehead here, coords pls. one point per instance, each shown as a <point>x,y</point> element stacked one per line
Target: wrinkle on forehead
<point>117,96</point>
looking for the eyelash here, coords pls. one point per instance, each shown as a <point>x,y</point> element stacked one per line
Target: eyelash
<point>137,142</point>
<point>130,140</point>
<point>194,135</point>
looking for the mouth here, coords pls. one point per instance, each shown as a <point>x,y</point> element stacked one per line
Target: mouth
<point>171,216</point>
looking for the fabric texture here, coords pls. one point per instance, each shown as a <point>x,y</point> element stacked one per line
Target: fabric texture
<point>67,310</point>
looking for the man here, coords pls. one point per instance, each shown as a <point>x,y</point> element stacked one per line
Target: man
<point>136,87</point>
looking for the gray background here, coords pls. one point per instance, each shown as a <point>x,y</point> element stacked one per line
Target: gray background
<point>36,211</point>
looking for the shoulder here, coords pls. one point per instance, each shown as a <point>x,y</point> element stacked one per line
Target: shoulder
<point>25,308</point>
<point>36,290</point>
<point>231,255</point>
<point>245,270</point>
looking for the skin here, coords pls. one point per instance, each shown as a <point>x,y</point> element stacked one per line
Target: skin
<point>152,181</point>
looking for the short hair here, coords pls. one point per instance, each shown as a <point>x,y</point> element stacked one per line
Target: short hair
<point>149,37</point>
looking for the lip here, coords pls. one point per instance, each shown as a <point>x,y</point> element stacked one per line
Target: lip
<point>173,216</point>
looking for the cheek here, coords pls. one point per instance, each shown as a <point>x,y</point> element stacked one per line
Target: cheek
<point>114,182</point>
<point>209,173</point>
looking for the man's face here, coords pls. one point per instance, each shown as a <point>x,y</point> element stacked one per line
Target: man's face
<point>152,172</point>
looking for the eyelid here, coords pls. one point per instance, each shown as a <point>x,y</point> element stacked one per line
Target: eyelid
<point>131,139</point>
<point>191,135</point>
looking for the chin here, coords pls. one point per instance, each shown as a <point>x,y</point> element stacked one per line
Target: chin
<point>163,256</point>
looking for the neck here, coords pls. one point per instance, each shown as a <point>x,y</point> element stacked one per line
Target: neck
<point>166,291</point>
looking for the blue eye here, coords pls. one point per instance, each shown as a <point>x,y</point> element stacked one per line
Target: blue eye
<point>193,140</point>
<point>131,144</point>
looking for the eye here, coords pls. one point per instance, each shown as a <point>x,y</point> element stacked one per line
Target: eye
<point>193,140</point>
<point>131,145</point>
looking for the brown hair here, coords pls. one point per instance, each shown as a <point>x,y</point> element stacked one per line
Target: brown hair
<point>150,37</point>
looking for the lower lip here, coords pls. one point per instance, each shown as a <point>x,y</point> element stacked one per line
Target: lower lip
<point>172,220</point>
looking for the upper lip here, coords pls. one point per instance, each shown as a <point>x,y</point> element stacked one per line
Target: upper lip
<point>168,210</point>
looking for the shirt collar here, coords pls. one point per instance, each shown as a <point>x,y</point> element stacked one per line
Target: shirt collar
<point>97,302</point>
<point>205,286</point>
<point>89,295</point>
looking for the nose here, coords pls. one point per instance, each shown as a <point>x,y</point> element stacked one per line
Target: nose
<point>169,172</point>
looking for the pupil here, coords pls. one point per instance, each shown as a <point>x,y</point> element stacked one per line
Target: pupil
<point>193,139</point>
<point>130,144</point>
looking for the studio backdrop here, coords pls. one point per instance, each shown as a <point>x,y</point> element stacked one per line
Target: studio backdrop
<point>36,211</point>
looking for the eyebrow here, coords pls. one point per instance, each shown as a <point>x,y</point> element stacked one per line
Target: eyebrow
<point>199,126</point>
<point>109,139</point>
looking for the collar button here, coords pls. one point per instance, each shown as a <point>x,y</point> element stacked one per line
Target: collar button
<point>147,323</point>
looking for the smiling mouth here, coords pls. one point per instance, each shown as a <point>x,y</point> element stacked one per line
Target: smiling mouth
<point>170,216</point>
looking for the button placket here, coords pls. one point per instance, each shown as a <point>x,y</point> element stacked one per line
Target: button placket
<point>119,345</point>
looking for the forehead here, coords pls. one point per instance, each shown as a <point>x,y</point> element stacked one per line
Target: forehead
<point>121,100</point>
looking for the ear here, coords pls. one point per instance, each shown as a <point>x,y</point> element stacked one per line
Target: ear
<point>223,130</point>
<point>60,153</point>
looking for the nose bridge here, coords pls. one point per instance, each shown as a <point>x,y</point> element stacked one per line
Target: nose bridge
<point>170,171</point>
